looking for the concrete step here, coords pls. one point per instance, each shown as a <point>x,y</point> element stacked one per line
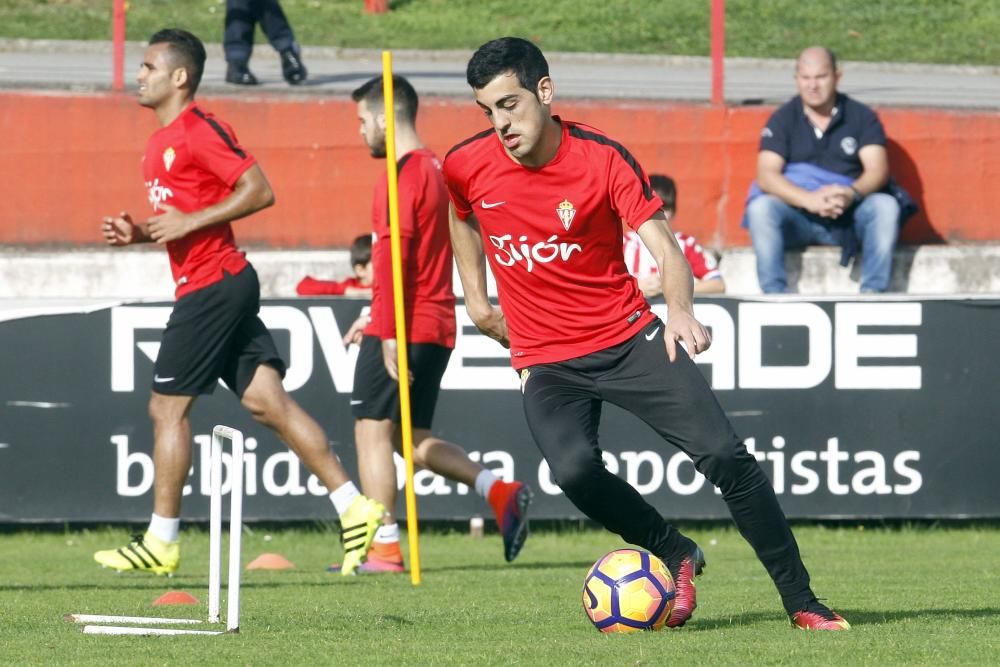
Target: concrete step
<point>143,273</point>
<point>926,269</point>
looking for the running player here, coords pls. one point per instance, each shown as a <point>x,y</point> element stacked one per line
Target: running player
<point>546,197</point>
<point>430,328</point>
<point>199,180</point>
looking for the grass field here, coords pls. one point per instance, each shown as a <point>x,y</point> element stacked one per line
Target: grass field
<point>923,31</point>
<point>914,596</point>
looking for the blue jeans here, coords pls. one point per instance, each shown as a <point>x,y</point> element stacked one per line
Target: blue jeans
<point>775,226</point>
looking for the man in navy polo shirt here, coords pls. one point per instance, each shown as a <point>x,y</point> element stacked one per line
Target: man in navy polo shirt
<point>822,177</point>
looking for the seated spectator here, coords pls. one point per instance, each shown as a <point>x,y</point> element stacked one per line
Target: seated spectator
<point>360,284</point>
<point>823,179</point>
<point>704,264</point>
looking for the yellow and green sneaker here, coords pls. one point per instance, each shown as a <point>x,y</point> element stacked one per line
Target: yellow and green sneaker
<point>357,531</point>
<point>144,553</point>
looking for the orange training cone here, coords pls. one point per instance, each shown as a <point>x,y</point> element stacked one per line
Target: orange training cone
<point>175,598</point>
<point>270,562</point>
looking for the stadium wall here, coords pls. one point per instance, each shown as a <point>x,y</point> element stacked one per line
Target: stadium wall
<point>68,159</point>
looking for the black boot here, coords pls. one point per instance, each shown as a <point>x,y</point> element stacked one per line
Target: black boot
<point>292,68</point>
<point>240,74</point>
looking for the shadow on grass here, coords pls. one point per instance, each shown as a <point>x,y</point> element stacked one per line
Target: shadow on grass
<point>855,617</point>
<point>477,567</point>
<point>301,578</point>
<point>897,615</point>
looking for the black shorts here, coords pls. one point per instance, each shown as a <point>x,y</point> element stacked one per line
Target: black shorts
<point>376,395</point>
<point>215,333</point>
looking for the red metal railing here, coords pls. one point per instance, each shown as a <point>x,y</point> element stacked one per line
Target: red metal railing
<point>118,45</point>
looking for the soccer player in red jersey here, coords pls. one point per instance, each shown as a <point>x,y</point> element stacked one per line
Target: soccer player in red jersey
<point>199,180</point>
<point>546,198</point>
<point>430,327</point>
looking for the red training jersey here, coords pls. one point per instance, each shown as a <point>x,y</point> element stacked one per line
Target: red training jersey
<point>426,254</point>
<point>191,164</point>
<point>553,239</point>
<point>640,262</point>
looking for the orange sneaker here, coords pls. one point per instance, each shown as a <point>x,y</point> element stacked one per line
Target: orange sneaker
<point>382,558</point>
<point>510,501</point>
<point>817,616</point>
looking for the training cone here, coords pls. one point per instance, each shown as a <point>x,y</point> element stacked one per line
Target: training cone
<point>270,562</point>
<point>175,598</point>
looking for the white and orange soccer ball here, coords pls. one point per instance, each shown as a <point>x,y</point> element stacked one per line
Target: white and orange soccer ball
<point>628,590</point>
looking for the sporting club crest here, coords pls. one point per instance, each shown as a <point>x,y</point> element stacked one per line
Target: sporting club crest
<point>168,157</point>
<point>566,213</point>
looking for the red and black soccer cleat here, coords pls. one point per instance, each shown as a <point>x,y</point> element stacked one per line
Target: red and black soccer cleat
<point>510,501</point>
<point>686,599</point>
<point>817,616</point>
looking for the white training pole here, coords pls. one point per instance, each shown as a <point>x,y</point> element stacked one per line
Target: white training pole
<point>138,620</point>
<point>235,534</point>
<point>215,525</point>
<point>219,433</point>
<point>146,632</point>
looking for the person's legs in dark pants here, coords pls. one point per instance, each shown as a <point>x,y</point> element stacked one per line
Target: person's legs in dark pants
<point>676,401</point>
<point>240,22</point>
<point>242,16</point>
<point>563,415</point>
<point>563,409</point>
<point>279,33</point>
<point>275,25</point>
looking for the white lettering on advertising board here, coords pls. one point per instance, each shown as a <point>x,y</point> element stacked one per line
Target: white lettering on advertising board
<point>844,347</point>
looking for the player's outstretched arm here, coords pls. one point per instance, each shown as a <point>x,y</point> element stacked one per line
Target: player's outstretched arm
<point>678,288</point>
<point>467,245</point>
<point>251,193</point>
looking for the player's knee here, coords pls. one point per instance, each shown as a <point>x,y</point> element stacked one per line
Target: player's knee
<point>729,467</point>
<point>264,409</point>
<point>575,473</point>
<point>167,410</point>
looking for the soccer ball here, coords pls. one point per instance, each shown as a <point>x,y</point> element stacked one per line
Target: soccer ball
<point>628,590</point>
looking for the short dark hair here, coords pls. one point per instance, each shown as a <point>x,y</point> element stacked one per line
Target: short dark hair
<point>507,54</point>
<point>404,96</point>
<point>186,51</point>
<point>665,189</point>
<point>361,250</point>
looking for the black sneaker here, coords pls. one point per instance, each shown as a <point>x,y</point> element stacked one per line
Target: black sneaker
<point>292,68</point>
<point>241,75</point>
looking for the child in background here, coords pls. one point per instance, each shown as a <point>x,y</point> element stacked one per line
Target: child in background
<point>360,284</point>
<point>704,265</point>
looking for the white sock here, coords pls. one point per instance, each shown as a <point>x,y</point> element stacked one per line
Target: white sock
<point>484,482</point>
<point>343,496</point>
<point>387,534</point>
<point>165,528</point>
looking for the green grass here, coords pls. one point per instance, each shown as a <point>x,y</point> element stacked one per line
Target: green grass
<point>914,596</point>
<point>920,31</point>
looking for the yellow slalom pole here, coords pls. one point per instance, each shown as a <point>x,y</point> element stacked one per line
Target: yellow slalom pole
<point>405,422</point>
